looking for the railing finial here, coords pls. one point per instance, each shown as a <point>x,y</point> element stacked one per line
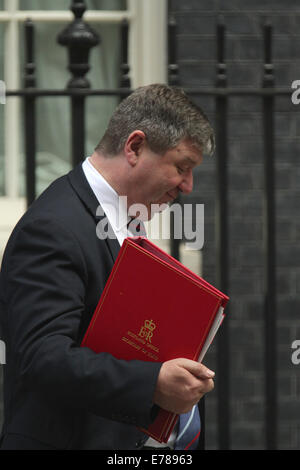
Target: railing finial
<point>79,38</point>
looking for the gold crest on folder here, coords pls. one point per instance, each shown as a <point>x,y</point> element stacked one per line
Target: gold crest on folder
<point>146,331</point>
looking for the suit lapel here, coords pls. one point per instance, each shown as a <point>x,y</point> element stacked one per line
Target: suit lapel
<point>82,188</point>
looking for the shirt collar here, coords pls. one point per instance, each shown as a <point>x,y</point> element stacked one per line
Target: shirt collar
<point>112,204</point>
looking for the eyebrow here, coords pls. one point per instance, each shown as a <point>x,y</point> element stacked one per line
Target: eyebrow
<point>190,160</point>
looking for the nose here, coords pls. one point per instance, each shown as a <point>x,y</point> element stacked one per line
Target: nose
<point>186,185</point>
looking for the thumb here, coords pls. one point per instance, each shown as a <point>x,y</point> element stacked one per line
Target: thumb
<point>197,369</point>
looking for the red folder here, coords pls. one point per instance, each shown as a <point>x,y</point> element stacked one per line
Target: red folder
<point>154,309</point>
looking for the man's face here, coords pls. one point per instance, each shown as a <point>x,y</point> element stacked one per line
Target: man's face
<point>158,179</point>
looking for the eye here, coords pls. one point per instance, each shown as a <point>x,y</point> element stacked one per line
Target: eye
<point>180,170</point>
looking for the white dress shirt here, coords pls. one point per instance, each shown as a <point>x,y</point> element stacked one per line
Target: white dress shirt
<point>115,210</point>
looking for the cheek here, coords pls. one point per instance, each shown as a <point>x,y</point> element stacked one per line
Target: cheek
<point>174,181</point>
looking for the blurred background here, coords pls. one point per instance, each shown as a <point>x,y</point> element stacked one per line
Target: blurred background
<point>238,60</point>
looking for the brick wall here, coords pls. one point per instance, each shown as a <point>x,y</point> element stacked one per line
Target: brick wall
<point>196,20</point>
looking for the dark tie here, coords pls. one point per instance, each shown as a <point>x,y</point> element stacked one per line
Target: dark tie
<point>188,430</point>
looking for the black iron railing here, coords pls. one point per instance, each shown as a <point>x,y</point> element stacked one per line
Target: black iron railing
<point>79,38</point>
<point>222,93</point>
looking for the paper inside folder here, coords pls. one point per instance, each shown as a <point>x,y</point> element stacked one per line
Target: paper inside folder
<point>215,326</point>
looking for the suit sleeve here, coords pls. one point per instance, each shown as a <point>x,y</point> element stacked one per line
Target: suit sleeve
<point>46,281</point>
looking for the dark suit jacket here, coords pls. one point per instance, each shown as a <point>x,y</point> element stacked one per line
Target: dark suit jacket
<point>57,394</point>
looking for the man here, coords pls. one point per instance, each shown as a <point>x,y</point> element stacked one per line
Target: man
<point>58,395</point>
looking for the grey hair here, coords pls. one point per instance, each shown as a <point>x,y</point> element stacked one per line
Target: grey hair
<point>165,114</point>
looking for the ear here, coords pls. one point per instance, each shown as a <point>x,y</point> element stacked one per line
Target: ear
<point>133,146</point>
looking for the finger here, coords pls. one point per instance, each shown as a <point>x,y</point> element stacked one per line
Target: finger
<point>206,386</point>
<point>205,373</point>
<point>197,369</point>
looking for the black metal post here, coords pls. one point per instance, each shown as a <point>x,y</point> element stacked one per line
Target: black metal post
<point>125,78</point>
<point>222,243</point>
<point>269,247</point>
<point>79,38</point>
<point>30,114</point>
<point>173,81</point>
<point>173,78</point>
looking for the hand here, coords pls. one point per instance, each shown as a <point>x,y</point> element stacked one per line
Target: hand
<point>181,384</point>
